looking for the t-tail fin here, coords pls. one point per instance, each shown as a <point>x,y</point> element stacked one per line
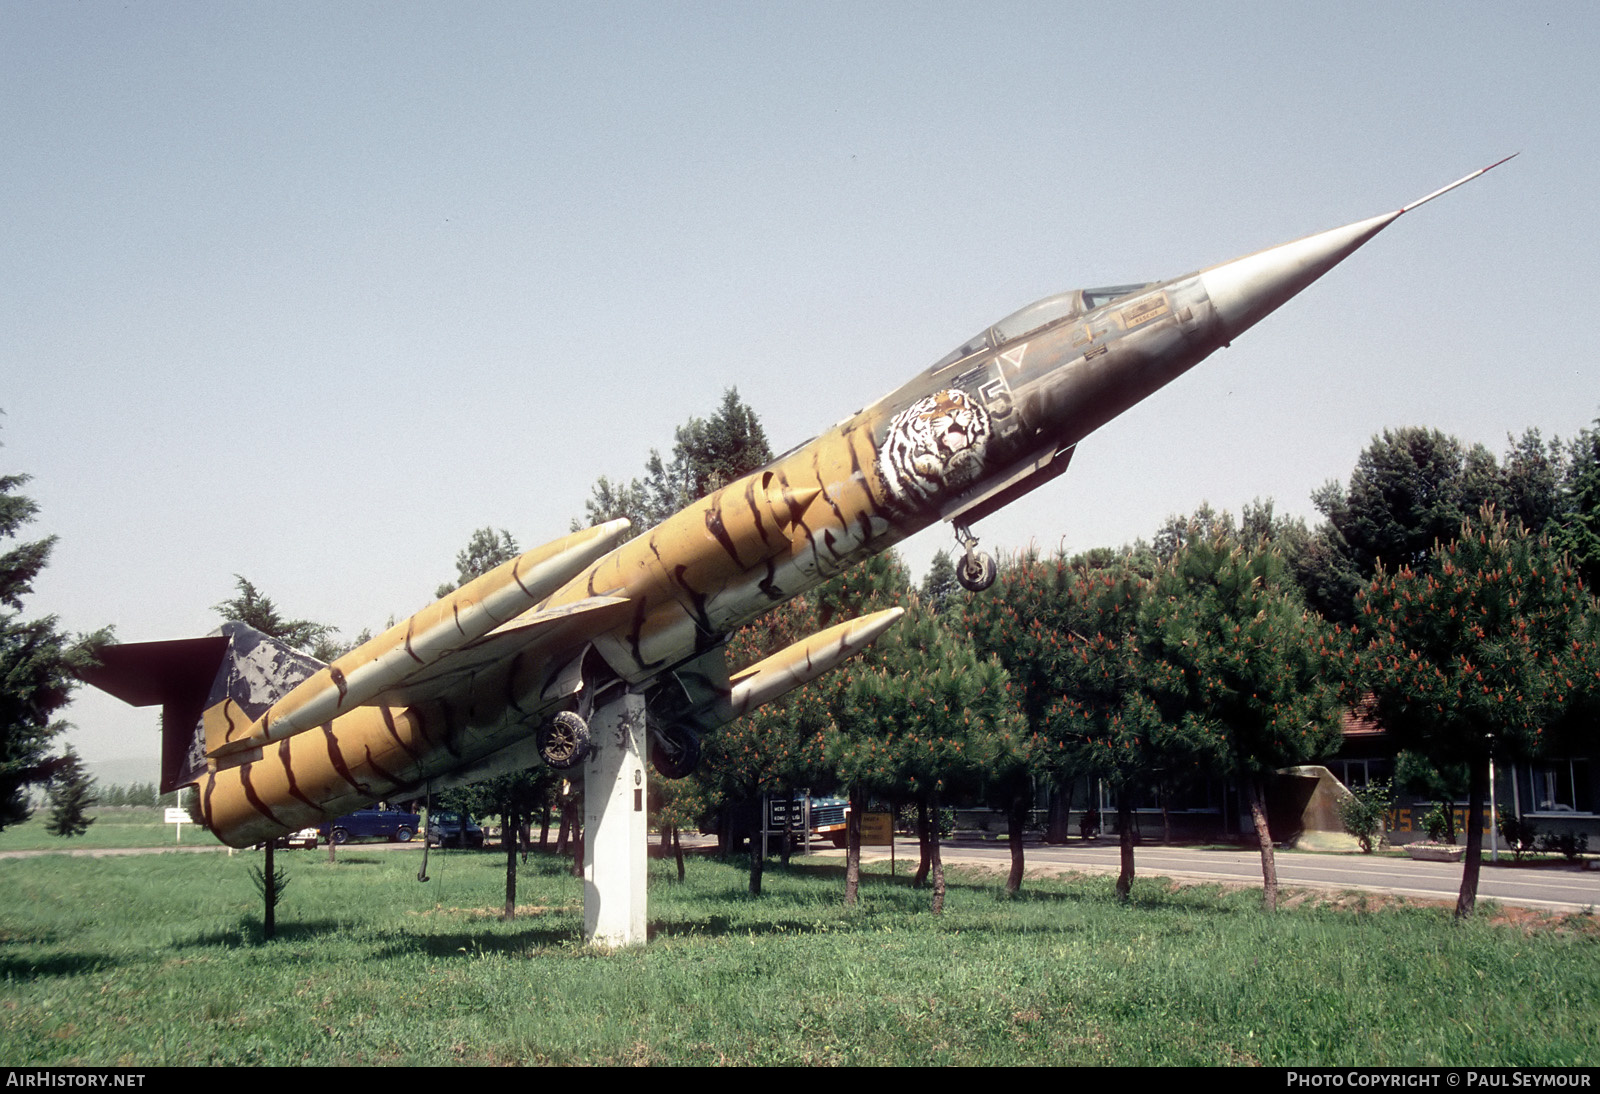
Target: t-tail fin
<point>233,674</point>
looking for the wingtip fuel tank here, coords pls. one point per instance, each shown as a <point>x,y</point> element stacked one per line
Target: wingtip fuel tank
<point>508,669</point>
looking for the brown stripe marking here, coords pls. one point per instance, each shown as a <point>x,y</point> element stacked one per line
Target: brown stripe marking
<point>394,732</point>
<point>204,799</point>
<point>715,526</point>
<point>767,584</point>
<point>822,486</point>
<point>755,510</point>
<point>336,758</point>
<point>388,777</point>
<point>288,771</point>
<point>877,504</point>
<point>636,634</point>
<point>255,799</point>
<point>452,728</point>
<point>698,613</point>
<point>424,729</point>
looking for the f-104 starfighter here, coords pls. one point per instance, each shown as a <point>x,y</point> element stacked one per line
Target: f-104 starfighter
<point>506,671</point>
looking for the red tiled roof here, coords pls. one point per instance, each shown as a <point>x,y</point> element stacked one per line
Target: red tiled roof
<point>1361,720</point>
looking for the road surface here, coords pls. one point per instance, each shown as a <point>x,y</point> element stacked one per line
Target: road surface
<point>1554,887</point>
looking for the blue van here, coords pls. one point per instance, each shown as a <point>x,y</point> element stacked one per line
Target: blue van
<point>378,821</point>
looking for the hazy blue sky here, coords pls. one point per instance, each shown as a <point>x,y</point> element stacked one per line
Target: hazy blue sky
<point>308,292</point>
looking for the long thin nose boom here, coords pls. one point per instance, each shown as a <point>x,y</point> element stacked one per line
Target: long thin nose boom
<point>1248,289</point>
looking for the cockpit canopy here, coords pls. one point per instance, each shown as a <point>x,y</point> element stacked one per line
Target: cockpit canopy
<point>1037,316</point>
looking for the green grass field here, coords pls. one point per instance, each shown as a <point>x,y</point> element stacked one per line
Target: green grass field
<point>158,959</point>
<point>130,826</point>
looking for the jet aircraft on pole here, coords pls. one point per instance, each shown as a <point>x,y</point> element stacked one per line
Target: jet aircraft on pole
<point>512,668</point>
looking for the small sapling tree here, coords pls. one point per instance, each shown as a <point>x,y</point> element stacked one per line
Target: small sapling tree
<point>72,793</point>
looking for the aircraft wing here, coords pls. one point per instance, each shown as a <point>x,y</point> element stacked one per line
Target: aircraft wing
<point>483,622</point>
<point>541,633</point>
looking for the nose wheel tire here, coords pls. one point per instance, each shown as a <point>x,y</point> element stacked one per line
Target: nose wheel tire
<point>564,741</point>
<point>976,571</point>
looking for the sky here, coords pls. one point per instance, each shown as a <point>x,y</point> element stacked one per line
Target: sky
<point>308,292</point>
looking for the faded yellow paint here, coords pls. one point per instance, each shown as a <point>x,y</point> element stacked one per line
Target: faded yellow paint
<point>713,566</point>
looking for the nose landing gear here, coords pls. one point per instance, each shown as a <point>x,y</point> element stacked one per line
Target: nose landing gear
<point>977,570</point>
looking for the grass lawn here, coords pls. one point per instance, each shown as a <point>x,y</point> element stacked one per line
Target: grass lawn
<point>123,826</point>
<point>159,960</point>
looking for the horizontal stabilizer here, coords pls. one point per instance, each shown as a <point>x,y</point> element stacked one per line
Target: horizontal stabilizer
<point>143,674</point>
<point>231,676</point>
<point>176,674</point>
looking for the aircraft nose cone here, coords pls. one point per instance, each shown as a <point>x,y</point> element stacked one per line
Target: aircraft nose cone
<point>1248,289</point>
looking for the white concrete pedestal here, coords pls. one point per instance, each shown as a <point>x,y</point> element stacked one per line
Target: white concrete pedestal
<point>616,835</point>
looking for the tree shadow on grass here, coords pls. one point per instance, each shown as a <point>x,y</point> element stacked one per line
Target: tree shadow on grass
<point>388,941</point>
<point>468,944</point>
<point>21,968</point>
<point>716,926</point>
<point>248,932</point>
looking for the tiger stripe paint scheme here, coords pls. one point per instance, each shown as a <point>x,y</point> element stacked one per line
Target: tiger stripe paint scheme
<point>456,692</point>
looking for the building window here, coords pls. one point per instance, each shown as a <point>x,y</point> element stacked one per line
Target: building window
<point>1559,786</point>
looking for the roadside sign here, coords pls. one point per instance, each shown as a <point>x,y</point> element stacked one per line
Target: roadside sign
<point>877,829</point>
<point>180,817</point>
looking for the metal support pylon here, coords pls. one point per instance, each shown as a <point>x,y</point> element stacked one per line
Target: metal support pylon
<point>616,836</point>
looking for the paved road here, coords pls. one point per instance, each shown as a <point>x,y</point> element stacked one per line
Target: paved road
<point>1557,888</point>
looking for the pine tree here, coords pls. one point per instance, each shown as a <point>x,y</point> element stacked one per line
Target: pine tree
<point>36,661</point>
<point>939,586</point>
<point>1578,530</point>
<point>921,719</point>
<point>1020,621</point>
<point>72,793</point>
<point>1104,721</point>
<point>707,454</point>
<point>777,747</point>
<point>1477,655</point>
<point>484,551</point>
<point>1244,667</point>
<point>252,608</point>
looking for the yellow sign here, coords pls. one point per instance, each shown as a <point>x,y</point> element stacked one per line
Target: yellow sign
<point>877,829</point>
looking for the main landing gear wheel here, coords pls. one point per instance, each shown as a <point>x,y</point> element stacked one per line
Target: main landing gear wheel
<point>675,750</point>
<point>564,741</point>
<point>976,571</point>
